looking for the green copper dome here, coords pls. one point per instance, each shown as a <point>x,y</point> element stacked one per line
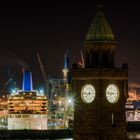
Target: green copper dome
<point>100,30</point>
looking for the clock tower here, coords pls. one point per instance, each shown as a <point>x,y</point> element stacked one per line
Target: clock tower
<point>100,88</point>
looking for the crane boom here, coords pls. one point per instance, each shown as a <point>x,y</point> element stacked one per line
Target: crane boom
<point>82,57</point>
<point>42,70</point>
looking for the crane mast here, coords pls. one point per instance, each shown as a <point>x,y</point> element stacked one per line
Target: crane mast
<point>42,70</point>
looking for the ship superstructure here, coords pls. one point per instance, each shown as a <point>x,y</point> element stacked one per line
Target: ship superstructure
<point>26,108</point>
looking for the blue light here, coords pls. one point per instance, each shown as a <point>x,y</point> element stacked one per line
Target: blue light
<point>27,81</point>
<point>66,60</point>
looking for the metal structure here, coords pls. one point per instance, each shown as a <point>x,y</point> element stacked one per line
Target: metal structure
<point>43,71</point>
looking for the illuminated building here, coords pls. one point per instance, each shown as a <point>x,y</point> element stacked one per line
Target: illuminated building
<point>26,108</point>
<point>60,104</point>
<point>56,106</point>
<point>133,103</point>
<point>3,111</point>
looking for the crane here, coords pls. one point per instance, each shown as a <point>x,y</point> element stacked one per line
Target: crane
<point>81,62</point>
<point>7,82</point>
<point>42,70</point>
<point>82,58</point>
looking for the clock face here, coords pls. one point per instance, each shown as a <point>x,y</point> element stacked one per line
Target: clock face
<point>112,93</point>
<point>88,93</point>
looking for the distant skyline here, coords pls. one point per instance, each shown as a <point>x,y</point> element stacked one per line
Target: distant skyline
<point>52,28</point>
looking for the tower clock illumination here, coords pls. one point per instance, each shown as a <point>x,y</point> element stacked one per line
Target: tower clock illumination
<point>112,93</point>
<point>88,93</point>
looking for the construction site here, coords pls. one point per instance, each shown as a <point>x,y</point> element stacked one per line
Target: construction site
<point>51,108</point>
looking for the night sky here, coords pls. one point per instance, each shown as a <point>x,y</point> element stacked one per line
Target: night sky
<point>52,28</point>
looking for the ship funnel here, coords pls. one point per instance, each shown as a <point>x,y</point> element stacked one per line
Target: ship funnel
<point>27,84</point>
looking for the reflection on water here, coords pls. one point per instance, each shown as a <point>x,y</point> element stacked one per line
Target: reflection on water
<point>41,139</point>
<point>131,136</point>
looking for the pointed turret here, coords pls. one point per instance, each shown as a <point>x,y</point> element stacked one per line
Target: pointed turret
<point>66,61</point>
<point>100,30</point>
<point>66,72</point>
<point>99,43</point>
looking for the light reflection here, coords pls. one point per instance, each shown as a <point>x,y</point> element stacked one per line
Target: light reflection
<point>133,135</point>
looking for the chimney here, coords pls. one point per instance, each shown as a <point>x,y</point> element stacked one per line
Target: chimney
<point>27,81</point>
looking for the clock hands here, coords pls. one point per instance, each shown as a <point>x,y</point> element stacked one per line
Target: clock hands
<point>112,94</point>
<point>89,96</point>
<point>88,93</point>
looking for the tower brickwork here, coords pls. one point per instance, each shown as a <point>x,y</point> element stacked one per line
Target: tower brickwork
<point>100,88</point>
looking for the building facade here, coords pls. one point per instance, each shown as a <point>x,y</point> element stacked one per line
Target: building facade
<point>100,88</point>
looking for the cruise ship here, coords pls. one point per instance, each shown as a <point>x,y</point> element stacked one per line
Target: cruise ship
<point>27,109</point>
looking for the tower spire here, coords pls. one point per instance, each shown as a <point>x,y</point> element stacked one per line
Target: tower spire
<point>66,60</point>
<point>66,66</point>
<point>99,42</point>
<point>100,30</point>
<point>99,7</point>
